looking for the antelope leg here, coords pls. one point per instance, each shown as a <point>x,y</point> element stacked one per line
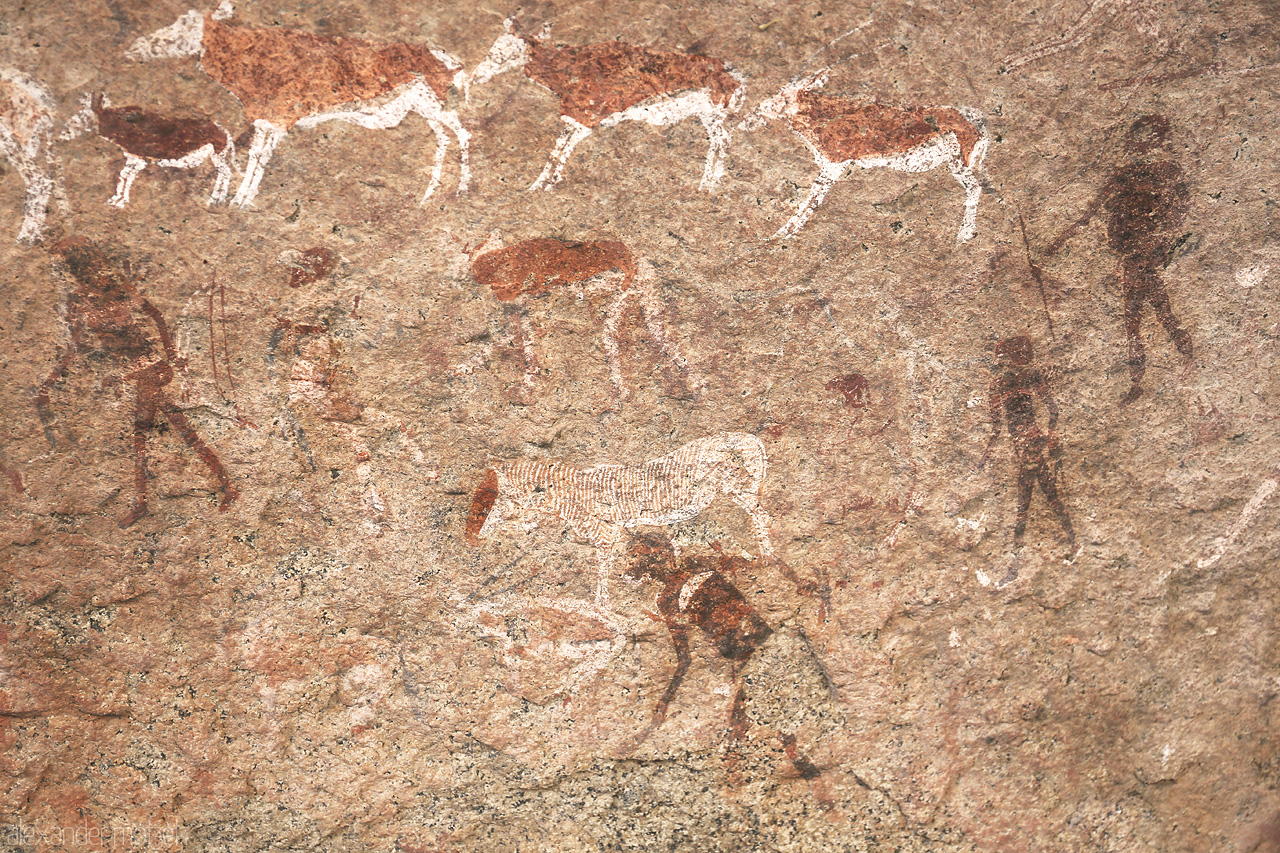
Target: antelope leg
<point>553,172</point>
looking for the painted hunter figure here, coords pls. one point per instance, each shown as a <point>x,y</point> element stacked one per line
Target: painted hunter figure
<point>1037,452</point>
<point>1146,202</point>
<point>696,596</point>
<point>133,337</point>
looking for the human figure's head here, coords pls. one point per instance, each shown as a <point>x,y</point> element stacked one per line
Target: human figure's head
<point>650,556</point>
<point>1147,134</point>
<point>95,267</point>
<point>1015,351</point>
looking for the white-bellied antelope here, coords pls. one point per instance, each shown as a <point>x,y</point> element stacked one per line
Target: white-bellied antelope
<point>601,85</point>
<point>26,141</point>
<point>288,78</point>
<point>146,137</point>
<point>532,268</point>
<point>601,503</point>
<point>844,133</point>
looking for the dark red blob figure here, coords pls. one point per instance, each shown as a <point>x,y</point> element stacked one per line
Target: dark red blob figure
<point>132,336</point>
<point>696,595</point>
<point>1146,202</point>
<point>1037,452</point>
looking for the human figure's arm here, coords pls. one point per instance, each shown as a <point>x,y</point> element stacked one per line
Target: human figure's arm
<point>995,397</point>
<point>166,340</point>
<point>43,409</point>
<point>1085,218</point>
<point>680,639</point>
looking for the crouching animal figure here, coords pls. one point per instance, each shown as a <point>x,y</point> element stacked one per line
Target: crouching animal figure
<point>600,503</point>
<point>145,137</point>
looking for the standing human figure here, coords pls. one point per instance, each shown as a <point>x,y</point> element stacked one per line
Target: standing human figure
<point>696,594</point>
<point>1037,452</point>
<point>1146,202</point>
<point>106,303</point>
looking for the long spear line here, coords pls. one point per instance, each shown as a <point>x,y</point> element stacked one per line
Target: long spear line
<point>1035,272</point>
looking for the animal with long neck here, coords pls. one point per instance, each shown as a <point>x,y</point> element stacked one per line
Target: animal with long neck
<point>524,271</point>
<point>146,137</point>
<point>26,141</point>
<point>844,133</point>
<point>603,85</point>
<point>287,78</point>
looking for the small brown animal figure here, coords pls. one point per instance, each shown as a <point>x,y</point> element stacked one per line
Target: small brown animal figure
<point>1038,452</point>
<point>145,137</point>
<point>602,85</point>
<point>26,141</point>
<point>534,268</point>
<point>1145,202</point>
<point>106,304</point>
<point>288,78</point>
<point>843,133</point>
<point>696,594</point>
<point>854,388</point>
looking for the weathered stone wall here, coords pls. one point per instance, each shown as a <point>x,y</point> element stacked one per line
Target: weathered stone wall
<point>279,636</point>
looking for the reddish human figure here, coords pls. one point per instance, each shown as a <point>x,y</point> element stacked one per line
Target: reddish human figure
<point>1146,202</point>
<point>696,594</point>
<point>106,304</point>
<point>1037,452</point>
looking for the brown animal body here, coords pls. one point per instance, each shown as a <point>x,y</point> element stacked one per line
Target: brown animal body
<point>538,267</point>
<point>288,78</point>
<point>283,75</point>
<point>601,85</point>
<point>147,137</point>
<point>842,133</point>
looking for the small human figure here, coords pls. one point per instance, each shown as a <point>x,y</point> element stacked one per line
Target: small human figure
<point>696,594</point>
<point>1146,202</point>
<point>106,303</point>
<point>1038,453</point>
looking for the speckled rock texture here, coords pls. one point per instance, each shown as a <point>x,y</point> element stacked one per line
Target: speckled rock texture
<point>863,438</point>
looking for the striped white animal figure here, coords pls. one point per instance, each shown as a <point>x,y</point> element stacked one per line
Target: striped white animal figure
<point>600,503</point>
<point>288,78</point>
<point>26,141</point>
<point>843,133</point>
<point>603,85</point>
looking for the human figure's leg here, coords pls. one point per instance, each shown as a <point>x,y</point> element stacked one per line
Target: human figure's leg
<point>204,451</point>
<point>144,413</point>
<point>1136,280</point>
<point>1049,485</point>
<point>1026,482</point>
<point>1159,299</point>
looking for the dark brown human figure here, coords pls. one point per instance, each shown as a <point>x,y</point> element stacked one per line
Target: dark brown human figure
<point>106,303</point>
<point>696,594</point>
<point>1146,202</point>
<point>1037,452</point>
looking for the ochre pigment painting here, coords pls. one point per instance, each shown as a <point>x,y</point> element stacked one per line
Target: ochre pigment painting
<point>584,426</point>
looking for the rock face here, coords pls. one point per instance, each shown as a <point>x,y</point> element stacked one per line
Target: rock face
<point>593,517</point>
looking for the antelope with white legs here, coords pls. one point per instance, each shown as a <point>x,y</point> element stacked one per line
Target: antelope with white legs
<point>145,137</point>
<point>288,78</point>
<point>532,268</point>
<point>602,85</point>
<point>601,503</point>
<point>26,141</point>
<point>843,133</point>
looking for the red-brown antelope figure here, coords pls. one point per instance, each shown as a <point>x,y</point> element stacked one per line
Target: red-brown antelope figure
<point>145,137</point>
<point>846,132</point>
<point>602,85</point>
<point>533,268</point>
<point>288,78</point>
<point>26,141</point>
<point>601,503</point>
